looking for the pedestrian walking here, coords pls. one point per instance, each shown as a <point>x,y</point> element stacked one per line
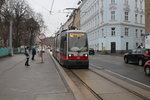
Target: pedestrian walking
<point>27,54</point>
<point>33,53</point>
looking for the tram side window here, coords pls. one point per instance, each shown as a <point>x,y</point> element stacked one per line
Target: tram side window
<point>63,46</point>
<point>58,44</point>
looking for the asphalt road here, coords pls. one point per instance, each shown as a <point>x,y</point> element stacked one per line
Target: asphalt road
<point>115,65</point>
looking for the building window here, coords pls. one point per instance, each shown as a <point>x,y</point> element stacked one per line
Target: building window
<point>136,3</point>
<point>141,17</point>
<point>137,44</point>
<point>112,15</point>
<point>102,46</point>
<point>141,32</point>
<point>136,32</point>
<point>102,2</point>
<point>126,2</point>
<point>98,19</point>
<point>112,31</point>
<point>141,2</point>
<point>136,15</point>
<point>126,31</point>
<point>127,46</point>
<point>126,15</point>
<point>102,32</point>
<point>102,17</point>
<point>142,37</point>
<point>112,1</point>
<point>97,34</point>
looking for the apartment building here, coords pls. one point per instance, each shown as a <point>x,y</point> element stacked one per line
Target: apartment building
<point>73,20</point>
<point>113,26</point>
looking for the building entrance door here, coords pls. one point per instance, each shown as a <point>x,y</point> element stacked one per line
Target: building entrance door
<point>113,47</point>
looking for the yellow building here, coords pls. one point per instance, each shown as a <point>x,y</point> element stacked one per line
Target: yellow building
<point>147,16</point>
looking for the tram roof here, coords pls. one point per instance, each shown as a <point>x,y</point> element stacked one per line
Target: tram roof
<point>76,31</point>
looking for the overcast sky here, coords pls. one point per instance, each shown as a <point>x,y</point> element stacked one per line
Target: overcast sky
<point>53,20</point>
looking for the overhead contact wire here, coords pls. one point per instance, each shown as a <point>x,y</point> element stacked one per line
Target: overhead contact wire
<point>51,7</point>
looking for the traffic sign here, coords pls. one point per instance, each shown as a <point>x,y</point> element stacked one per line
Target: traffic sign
<point>42,36</point>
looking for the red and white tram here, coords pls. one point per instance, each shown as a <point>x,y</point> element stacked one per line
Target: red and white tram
<point>71,49</point>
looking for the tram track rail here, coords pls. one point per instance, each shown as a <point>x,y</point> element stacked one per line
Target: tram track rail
<point>96,94</point>
<point>127,89</point>
<point>90,89</point>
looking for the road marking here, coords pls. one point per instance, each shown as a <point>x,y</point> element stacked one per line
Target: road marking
<point>121,76</point>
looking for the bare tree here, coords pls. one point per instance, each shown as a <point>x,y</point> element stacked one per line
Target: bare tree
<point>1,4</point>
<point>39,19</point>
<point>5,19</point>
<point>20,10</point>
<point>26,24</point>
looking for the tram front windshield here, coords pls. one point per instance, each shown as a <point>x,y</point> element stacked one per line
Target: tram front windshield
<point>78,42</point>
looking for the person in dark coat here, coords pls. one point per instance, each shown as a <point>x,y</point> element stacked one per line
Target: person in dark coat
<point>33,53</point>
<point>27,54</point>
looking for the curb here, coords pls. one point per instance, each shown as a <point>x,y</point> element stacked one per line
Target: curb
<point>76,92</point>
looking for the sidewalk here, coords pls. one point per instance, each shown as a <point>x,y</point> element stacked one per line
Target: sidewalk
<point>39,81</point>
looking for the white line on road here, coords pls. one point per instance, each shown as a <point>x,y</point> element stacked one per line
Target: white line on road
<point>121,76</point>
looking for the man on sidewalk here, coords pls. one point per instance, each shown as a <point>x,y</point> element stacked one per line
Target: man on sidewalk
<point>33,53</point>
<point>27,53</point>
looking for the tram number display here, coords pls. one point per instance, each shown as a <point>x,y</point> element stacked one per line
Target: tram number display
<point>76,35</point>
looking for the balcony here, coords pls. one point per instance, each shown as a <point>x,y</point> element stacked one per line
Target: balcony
<point>136,10</point>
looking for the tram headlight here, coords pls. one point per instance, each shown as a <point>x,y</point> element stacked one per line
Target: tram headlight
<point>70,55</point>
<point>85,55</point>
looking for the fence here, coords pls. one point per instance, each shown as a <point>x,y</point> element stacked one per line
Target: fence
<point>6,51</point>
<point>17,50</point>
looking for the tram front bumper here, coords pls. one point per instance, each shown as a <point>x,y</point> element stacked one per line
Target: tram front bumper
<point>77,63</point>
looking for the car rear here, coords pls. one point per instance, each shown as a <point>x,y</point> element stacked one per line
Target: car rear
<point>91,51</point>
<point>146,55</point>
<point>147,68</point>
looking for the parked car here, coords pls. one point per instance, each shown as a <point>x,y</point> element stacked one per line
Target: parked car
<point>147,68</point>
<point>139,56</point>
<point>91,51</point>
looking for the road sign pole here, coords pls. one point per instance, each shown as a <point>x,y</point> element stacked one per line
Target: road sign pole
<point>42,52</point>
<point>42,37</point>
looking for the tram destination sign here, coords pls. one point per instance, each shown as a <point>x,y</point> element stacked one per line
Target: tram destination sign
<point>76,34</point>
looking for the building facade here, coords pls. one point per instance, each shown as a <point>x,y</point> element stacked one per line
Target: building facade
<point>113,25</point>
<point>73,20</point>
<point>49,41</point>
<point>147,16</point>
